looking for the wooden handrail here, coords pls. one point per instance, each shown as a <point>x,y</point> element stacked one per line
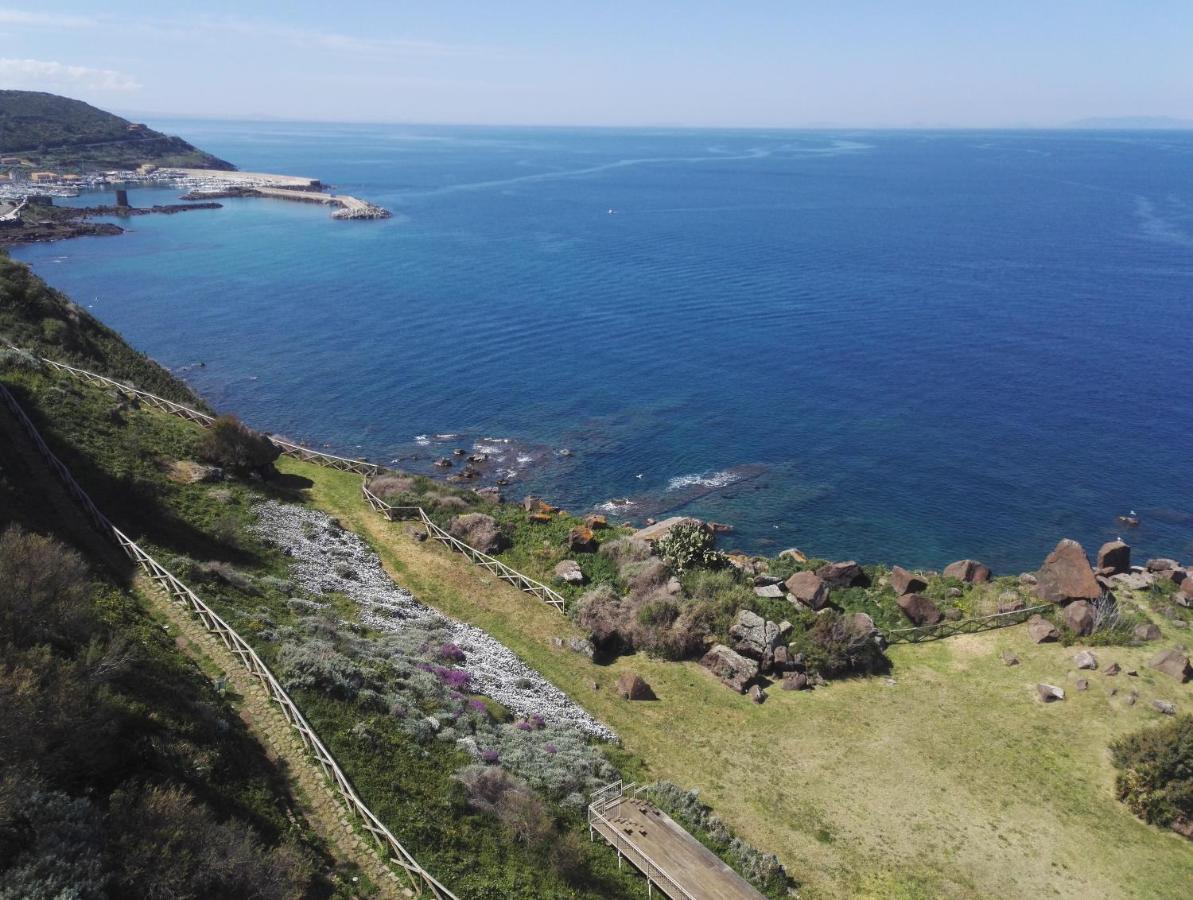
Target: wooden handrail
<point>945,628</point>
<point>420,879</point>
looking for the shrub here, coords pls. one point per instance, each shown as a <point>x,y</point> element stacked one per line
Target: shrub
<point>45,591</point>
<point>387,486</point>
<point>834,647</point>
<point>1156,771</point>
<point>687,546</point>
<point>623,551</point>
<point>232,445</point>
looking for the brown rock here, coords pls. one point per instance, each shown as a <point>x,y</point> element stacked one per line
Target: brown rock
<point>1173,663</point>
<point>582,540</point>
<point>596,523</point>
<point>1040,629</point>
<point>631,686</point>
<point>905,582</point>
<point>919,609</point>
<point>1010,658</point>
<point>1082,684</point>
<point>1079,616</point>
<point>734,670</point>
<point>1066,575</point>
<point>809,589</point>
<point>1148,631</point>
<point>540,518</point>
<point>969,570</point>
<point>1112,669</point>
<point>1085,660</point>
<point>860,624</point>
<point>798,555</point>
<point>1162,565</point>
<point>1114,558</point>
<point>795,681</point>
<point>569,571</point>
<point>844,574</point>
<point>757,694</point>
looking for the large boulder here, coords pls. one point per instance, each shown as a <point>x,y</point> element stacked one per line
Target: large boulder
<point>1085,660</point>
<point>1147,631</point>
<point>1040,629</point>
<point>478,531</point>
<point>905,582</point>
<point>1067,575</point>
<point>1174,663</point>
<point>844,574</point>
<point>1050,692</point>
<point>1162,564</point>
<point>795,681</point>
<point>660,530</point>
<point>1114,558</point>
<point>919,609</point>
<point>754,637</point>
<point>582,540</point>
<point>968,570</point>
<point>631,686</point>
<point>732,668</point>
<point>809,589</point>
<point>569,572</point>
<point>1079,616</point>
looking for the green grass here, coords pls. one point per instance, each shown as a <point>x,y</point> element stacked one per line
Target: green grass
<point>954,781</point>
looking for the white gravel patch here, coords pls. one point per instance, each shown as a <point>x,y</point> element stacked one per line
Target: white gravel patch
<point>328,559</point>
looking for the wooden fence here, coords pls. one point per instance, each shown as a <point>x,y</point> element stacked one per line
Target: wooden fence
<point>420,879</point>
<point>343,464</point>
<point>946,629</point>
<point>496,566</point>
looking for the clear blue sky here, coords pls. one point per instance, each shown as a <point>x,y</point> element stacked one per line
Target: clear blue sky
<point>613,62</point>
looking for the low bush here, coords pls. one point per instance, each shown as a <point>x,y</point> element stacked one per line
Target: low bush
<point>45,591</point>
<point>235,447</point>
<point>687,546</point>
<point>833,646</point>
<point>1155,776</point>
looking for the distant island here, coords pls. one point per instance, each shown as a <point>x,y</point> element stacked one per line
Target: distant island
<point>1134,123</point>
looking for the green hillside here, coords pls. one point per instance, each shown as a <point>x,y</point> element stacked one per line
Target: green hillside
<point>49,130</point>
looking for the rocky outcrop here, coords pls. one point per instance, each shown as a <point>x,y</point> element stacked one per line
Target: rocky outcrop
<point>1067,575</point>
<point>1040,629</point>
<point>809,589</point>
<point>754,637</point>
<point>734,670</point>
<point>919,609</point>
<point>479,531</point>
<point>1079,617</point>
<point>1162,564</point>
<point>844,574</point>
<point>1174,663</point>
<point>631,686</point>
<point>968,570</point>
<point>905,582</point>
<point>1114,558</point>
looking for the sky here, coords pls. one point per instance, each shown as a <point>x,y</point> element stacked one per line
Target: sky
<point>749,63</point>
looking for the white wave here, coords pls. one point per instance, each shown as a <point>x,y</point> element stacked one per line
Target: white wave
<point>422,440</point>
<point>703,479</point>
<point>496,454</point>
<point>523,459</point>
<point>613,506</point>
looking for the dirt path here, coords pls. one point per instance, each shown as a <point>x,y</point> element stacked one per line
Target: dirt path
<point>316,801</point>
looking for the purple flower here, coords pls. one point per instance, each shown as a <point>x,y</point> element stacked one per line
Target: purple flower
<point>454,678</point>
<point>551,748</point>
<point>537,722</point>
<point>451,653</point>
<point>523,725</point>
<point>490,756</point>
<point>478,706</point>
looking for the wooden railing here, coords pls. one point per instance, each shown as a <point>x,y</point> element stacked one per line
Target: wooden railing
<point>420,879</point>
<point>610,795</point>
<point>344,464</point>
<point>496,566</point>
<point>946,628</point>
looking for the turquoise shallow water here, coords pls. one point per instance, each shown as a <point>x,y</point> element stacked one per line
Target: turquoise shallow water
<point>906,347</point>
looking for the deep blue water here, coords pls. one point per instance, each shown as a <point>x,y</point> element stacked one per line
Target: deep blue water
<point>906,347</point>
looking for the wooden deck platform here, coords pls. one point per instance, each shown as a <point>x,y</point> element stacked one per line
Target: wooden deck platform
<point>673,861</point>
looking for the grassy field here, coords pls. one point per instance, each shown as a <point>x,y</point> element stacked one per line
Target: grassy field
<point>953,781</point>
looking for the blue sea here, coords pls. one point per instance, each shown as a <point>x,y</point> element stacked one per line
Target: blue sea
<point>905,347</point>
